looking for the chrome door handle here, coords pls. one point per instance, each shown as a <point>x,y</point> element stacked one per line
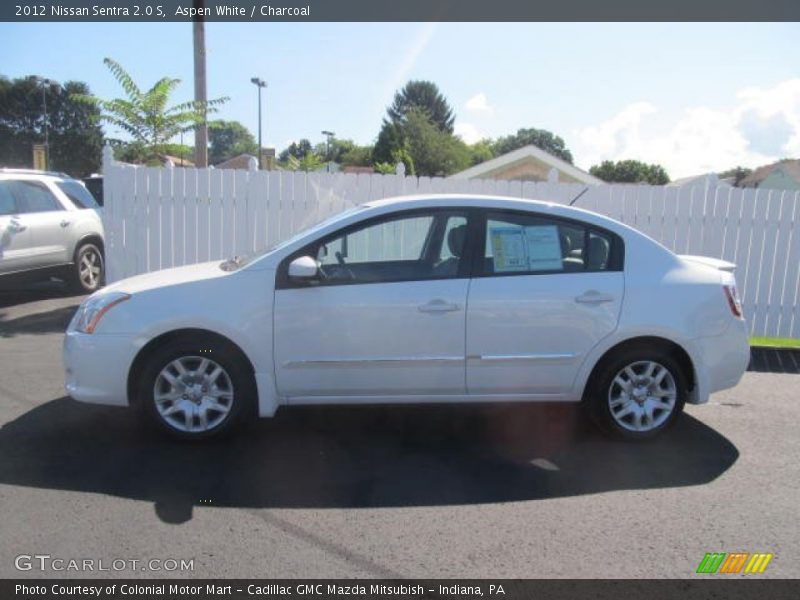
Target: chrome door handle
<point>65,223</point>
<point>17,228</point>
<point>438,306</point>
<point>594,297</point>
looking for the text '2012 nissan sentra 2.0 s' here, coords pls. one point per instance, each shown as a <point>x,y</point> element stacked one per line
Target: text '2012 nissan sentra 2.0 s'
<point>419,299</point>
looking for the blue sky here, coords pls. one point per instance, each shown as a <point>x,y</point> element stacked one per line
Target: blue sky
<point>693,97</point>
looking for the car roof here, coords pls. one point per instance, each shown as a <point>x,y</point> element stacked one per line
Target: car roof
<point>496,202</point>
<point>32,174</point>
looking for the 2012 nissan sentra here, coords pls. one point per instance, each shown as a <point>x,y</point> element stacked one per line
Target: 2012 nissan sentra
<point>419,300</point>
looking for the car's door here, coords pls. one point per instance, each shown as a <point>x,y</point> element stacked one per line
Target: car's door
<point>385,318</point>
<point>15,236</point>
<point>545,292</point>
<point>48,221</point>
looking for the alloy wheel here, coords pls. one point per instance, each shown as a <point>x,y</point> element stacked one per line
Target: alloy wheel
<point>90,268</point>
<point>193,394</point>
<point>642,396</point>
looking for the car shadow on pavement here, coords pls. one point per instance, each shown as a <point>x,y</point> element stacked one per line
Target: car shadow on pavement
<point>351,457</point>
<point>13,293</point>
<point>51,321</point>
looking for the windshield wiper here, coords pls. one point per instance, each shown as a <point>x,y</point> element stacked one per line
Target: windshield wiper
<point>231,264</point>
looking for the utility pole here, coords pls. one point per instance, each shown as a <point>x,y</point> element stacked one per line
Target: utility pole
<point>200,95</point>
<point>328,135</point>
<point>45,82</point>
<point>259,83</point>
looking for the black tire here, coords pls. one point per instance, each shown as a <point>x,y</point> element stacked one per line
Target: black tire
<point>85,275</point>
<point>192,350</point>
<point>605,390</point>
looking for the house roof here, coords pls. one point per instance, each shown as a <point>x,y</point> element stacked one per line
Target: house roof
<point>702,179</point>
<point>790,167</point>
<point>177,160</point>
<point>519,154</point>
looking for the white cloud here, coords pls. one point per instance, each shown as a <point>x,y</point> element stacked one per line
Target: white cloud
<point>467,132</point>
<point>761,126</point>
<point>478,103</point>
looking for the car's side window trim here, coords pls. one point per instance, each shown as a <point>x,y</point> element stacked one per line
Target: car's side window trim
<point>283,281</point>
<point>616,260</point>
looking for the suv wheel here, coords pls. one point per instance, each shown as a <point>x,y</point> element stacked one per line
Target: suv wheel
<point>89,268</point>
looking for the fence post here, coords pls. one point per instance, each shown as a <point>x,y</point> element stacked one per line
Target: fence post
<point>109,214</point>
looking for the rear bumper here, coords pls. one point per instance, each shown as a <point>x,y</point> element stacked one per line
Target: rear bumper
<point>96,367</point>
<point>719,361</point>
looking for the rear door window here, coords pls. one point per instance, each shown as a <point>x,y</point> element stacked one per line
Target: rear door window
<point>34,197</point>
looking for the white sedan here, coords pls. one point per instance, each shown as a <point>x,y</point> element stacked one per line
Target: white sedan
<point>419,299</point>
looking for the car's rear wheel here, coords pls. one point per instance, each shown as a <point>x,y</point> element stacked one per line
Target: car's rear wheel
<point>638,393</point>
<point>192,389</point>
<point>89,268</point>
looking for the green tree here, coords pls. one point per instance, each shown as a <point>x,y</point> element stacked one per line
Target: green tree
<point>481,151</point>
<point>310,162</point>
<point>737,173</point>
<point>425,96</point>
<point>297,150</point>
<point>146,116</point>
<point>357,156</point>
<point>630,171</point>
<point>228,139</point>
<point>540,138</point>
<point>75,135</point>
<point>136,153</point>
<point>421,146</point>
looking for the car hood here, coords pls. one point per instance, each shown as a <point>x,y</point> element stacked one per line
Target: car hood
<point>168,278</point>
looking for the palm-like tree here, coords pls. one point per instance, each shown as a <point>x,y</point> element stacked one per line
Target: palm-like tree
<point>146,116</point>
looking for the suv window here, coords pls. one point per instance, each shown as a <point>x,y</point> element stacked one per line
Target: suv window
<point>78,194</point>
<point>33,197</point>
<point>403,247</point>
<point>8,205</point>
<point>528,244</point>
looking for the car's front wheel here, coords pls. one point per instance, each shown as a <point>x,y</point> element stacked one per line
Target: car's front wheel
<point>195,390</point>
<point>638,393</point>
<point>89,268</point>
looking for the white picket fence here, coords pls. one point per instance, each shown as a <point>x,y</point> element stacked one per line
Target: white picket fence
<point>163,217</point>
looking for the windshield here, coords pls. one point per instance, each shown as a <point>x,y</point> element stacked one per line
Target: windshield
<point>239,261</point>
<point>78,194</point>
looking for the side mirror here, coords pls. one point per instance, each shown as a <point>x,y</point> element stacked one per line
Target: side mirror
<point>303,267</point>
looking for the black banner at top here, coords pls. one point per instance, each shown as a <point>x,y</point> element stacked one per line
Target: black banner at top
<point>398,10</point>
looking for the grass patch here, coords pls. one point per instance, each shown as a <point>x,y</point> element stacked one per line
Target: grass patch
<point>775,342</point>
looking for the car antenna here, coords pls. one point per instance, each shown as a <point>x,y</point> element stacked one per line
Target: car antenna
<point>586,189</point>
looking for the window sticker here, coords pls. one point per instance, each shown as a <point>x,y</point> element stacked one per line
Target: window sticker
<point>544,248</point>
<point>508,248</point>
<point>534,248</point>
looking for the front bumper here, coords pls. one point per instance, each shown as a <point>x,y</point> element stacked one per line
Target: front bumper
<point>96,367</point>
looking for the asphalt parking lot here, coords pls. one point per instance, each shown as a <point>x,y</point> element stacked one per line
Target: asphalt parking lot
<point>504,491</point>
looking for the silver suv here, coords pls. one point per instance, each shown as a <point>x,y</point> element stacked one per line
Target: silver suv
<point>50,225</point>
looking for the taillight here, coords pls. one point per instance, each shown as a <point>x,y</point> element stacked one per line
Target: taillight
<point>733,300</point>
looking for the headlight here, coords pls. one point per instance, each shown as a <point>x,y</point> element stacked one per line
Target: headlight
<point>93,309</point>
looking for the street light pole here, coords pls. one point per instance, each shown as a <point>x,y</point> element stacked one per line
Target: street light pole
<point>259,83</point>
<point>328,135</point>
<point>45,83</point>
